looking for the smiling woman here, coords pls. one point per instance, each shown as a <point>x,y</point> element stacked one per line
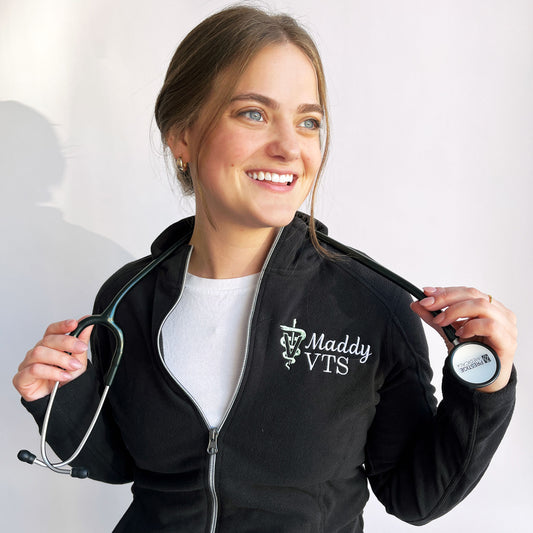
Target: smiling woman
<point>266,380</point>
<point>258,163</point>
<point>199,87</point>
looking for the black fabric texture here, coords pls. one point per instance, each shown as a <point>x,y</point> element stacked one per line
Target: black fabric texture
<point>335,393</point>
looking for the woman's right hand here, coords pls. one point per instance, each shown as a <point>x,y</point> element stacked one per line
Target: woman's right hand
<point>48,362</point>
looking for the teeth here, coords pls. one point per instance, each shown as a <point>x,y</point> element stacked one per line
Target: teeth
<point>271,176</point>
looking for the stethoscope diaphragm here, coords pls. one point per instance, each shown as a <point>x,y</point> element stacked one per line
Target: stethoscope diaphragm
<point>474,364</point>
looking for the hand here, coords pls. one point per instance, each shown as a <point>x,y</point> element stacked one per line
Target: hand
<point>48,361</point>
<point>474,317</point>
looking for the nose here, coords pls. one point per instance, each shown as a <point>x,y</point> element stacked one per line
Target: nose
<point>284,144</point>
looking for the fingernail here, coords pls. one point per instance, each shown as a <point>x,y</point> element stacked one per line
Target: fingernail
<point>426,302</point>
<point>459,332</point>
<point>74,364</point>
<point>430,290</point>
<point>80,346</point>
<point>66,376</point>
<point>70,323</point>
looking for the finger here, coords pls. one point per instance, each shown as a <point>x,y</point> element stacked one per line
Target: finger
<point>85,335</point>
<point>428,317</point>
<point>61,328</point>
<point>459,314</point>
<point>503,342</point>
<point>58,346</point>
<point>498,332</point>
<point>42,355</point>
<point>40,372</point>
<point>442,297</point>
<point>64,343</point>
<point>465,309</point>
<point>447,297</point>
<point>422,312</point>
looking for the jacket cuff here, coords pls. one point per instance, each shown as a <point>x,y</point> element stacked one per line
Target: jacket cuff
<point>451,387</point>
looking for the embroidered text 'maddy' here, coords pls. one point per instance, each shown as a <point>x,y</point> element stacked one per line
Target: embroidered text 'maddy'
<point>332,355</point>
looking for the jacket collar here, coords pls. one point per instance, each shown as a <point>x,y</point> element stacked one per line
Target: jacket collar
<point>293,245</point>
<point>181,230</point>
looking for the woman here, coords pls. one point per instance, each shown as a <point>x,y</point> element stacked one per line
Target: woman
<point>266,378</point>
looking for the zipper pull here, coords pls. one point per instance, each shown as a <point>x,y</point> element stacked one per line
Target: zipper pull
<point>212,447</point>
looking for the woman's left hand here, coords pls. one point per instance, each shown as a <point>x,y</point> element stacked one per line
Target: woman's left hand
<point>474,316</point>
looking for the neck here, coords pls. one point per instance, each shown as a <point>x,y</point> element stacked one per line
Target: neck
<point>228,252</point>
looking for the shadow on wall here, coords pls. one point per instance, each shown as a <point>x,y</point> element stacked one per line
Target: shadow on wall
<point>51,271</point>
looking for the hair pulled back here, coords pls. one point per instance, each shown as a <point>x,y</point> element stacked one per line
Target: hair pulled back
<point>218,50</point>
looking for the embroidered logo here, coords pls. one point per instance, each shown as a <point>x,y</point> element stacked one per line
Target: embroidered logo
<point>291,339</point>
<point>323,354</point>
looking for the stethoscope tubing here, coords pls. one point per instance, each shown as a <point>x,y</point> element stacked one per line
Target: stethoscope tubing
<point>58,467</point>
<point>386,273</point>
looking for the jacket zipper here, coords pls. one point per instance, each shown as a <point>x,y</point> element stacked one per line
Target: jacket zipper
<point>212,450</point>
<point>212,446</point>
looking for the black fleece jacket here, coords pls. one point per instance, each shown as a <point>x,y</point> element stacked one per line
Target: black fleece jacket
<point>334,391</point>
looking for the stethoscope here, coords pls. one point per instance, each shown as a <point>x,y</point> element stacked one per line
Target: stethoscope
<point>105,318</point>
<point>472,363</point>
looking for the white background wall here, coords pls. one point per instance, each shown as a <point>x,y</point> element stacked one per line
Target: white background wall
<point>430,173</point>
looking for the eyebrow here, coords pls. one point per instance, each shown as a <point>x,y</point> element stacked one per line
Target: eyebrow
<point>269,102</point>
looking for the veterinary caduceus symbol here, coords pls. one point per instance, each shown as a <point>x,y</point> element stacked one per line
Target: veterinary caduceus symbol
<point>291,339</point>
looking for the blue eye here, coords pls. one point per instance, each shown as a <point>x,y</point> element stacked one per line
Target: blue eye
<point>253,114</point>
<point>311,124</point>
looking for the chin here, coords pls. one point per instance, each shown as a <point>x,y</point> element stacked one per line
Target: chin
<point>277,218</point>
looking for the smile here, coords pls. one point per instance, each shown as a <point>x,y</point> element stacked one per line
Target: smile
<point>271,176</point>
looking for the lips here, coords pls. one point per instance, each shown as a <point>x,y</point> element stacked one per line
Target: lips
<point>271,176</point>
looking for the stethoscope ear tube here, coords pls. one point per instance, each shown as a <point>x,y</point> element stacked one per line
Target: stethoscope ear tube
<point>473,364</point>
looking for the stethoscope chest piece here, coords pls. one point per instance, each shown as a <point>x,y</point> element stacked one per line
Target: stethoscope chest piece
<point>474,364</point>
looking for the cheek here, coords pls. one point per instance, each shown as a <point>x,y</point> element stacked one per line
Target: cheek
<point>228,151</point>
<point>312,159</point>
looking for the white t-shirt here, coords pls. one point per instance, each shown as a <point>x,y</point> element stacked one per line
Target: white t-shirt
<point>204,339</point>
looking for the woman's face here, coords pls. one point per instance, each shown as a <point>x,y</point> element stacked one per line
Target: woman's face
<point>258,164</point>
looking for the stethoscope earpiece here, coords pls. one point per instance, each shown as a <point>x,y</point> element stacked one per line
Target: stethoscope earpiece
<point>76,471</point>
<point>26,457</point>
<point>80,472</point>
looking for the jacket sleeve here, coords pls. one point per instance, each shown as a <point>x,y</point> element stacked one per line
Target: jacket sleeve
<point>423,459</point>
<point>104,455</point>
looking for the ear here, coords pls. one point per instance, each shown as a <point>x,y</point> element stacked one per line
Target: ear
<point>179,144</point>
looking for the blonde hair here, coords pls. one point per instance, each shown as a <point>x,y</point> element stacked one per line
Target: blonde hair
<point>219,50</point>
